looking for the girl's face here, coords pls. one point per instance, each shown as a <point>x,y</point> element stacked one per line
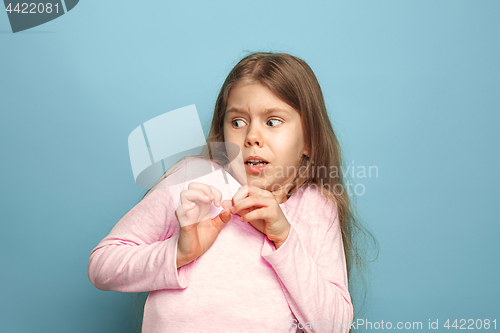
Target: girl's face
<point>263,125</point>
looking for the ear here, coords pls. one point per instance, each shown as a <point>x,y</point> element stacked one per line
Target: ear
<point>306,152</point>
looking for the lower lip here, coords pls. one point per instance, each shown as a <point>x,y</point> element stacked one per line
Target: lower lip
<point>255,169</point>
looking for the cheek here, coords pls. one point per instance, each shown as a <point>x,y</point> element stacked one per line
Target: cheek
<point>225,132</point>
<point>284,147</point>
<point>228,136</point>
<point>292,146</point>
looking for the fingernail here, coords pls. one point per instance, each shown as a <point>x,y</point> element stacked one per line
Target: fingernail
<point>225,218</point>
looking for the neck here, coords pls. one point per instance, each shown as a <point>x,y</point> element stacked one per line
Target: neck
<point>281,195</point>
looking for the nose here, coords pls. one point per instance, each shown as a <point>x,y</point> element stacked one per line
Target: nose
<point>254,137</point>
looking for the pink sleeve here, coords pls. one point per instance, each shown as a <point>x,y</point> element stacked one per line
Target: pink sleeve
<point>140,252</point>
<point>315,288</point>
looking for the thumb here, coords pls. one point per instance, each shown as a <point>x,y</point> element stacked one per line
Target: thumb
<point>222,218</point>
<point>227,204</point>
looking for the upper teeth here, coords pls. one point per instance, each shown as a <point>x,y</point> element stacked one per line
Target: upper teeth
<point>255,161</point>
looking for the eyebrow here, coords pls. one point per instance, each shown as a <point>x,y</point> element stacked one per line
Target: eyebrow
<point>237,110</point>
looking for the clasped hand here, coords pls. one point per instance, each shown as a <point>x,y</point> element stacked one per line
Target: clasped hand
<point>261,209</point>
<point>198,231</point>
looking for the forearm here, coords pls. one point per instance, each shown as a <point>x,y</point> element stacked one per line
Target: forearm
<point>137,268</point>
<point>313,294</point>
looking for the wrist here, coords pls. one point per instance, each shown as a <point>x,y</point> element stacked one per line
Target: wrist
<point>281,240</point>
<point>182,259</point>
<point>179,260</point>
<point>277,244</point>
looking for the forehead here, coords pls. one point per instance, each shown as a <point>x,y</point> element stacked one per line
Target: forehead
<point>236,110</point>
<point>256,98</point>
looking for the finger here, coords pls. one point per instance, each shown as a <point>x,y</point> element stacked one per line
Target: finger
<point>226,204</point>
<point>256,214</point>
<point>194,195</point>
<point>206,189</point>
<point>181,211</point>
<point>247,190</point>
<point>217,195</point>
<point>225,216</point>
<point>184,208</point>
<point>253,190</point>
<point>251,203</point>
<point>222,219</point>
<point>246,211</point>
<point>241,194</point>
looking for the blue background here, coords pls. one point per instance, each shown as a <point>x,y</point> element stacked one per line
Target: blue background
<point>412,87</point>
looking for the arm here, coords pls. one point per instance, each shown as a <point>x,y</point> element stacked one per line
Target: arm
<point>140,252</point>
<point>315,288</point>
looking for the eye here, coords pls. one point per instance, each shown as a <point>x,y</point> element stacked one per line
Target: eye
<point>274,120</point>
<point>235,121</point>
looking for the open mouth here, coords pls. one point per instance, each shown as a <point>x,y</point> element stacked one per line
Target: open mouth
<point>256,163</point>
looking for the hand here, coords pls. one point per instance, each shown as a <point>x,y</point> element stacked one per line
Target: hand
<point>197,230</point>
<point>261,209</point>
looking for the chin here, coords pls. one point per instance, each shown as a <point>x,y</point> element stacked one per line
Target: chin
<point>263,185</point>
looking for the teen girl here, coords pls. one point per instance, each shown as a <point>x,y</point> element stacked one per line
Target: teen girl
<point>276,257</point>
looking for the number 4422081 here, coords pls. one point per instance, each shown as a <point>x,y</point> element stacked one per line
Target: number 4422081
<point>471,324</point>
<point>33,8</point>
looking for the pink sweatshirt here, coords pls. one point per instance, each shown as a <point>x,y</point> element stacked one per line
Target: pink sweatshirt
<point>242,283</point>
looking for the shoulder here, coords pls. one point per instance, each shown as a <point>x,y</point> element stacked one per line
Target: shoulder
<point>186,169</point>
<point>311,202</point>
<point>177,175</point>
<point>188,162</point>
<point>314,195</point>
<point>313,215</point>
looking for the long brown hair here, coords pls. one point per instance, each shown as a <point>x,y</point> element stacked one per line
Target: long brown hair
<point>292,80</point>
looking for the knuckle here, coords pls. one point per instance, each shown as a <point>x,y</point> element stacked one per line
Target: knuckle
<point>215,190</point>
<point>183,194</point>
<point>179,214</point>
